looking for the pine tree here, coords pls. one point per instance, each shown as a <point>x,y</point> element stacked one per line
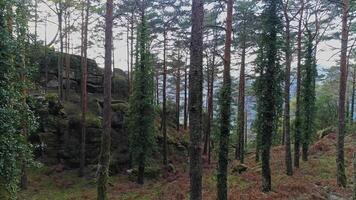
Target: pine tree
<point>84,92</point>
<point>104,159</point>
<point>340,160</point>
<point>288,54</point>
<point>308,95</point>
<point>225,106</point>
<point>268,87</point>
<point>195,99</point>
<point>18,121</point>
<point>141,112</point>
<point>298,118</point>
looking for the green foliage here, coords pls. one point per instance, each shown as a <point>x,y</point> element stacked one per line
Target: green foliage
<point>309,74</point>
<point>141,103</point>
<point>326,100</point>
<point>15,114</point>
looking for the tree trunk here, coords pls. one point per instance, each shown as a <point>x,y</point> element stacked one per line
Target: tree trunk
<point>288,54</point>
<point>340,160</point>
<point>225,109</point>
<point>157,86</point>
<point>104,159</point>
<point>353,95</point>
<point>298,131</point>
<point>132,48</point>
<point>67,56</point>
<point>239,155</point>
<point>196,99</point>
<point>60,55</point>
<point>354,179</point>
<point>178,93</point>
<point>268,99</point>
<point>84,97</point>
<point>185,123</point>
<point>206,131</point>
<point>46,59</point>
<point>128,57</point>
<point>164,100</point>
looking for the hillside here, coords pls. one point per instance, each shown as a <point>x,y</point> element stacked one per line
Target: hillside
<point>315,180</point>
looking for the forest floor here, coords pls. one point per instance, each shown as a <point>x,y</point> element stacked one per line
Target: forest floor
<point>314,180</point>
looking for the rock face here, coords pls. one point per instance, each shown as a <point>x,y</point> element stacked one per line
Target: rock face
<point>59,136</point>
<point>95,76</point>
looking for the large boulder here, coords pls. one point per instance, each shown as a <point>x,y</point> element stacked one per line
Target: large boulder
<point>95,76</point>
<point>59,138</point>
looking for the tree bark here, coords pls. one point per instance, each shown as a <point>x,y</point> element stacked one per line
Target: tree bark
<point>353,95</point>
<point>225,110</point>
<point>185,123</point>
<point>128,57</point>
<point>286,121</point>
<point>104,159</point>
<point>241,107</point>
<point>178,93</point>
<point>164,100</point>
<point>67,56</point>
<point>60,55</point>
<point>340,160</point>
<point>297,135</point>
<point>354,179</point>
<point>84,97</point>
<point>196,99</point>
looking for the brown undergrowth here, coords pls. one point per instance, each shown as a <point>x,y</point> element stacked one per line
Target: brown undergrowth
<point>314,180</point>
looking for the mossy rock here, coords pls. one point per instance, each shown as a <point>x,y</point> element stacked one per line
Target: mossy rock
<point>150,173</point>
<point>120,107</point>
<point>326,131</point>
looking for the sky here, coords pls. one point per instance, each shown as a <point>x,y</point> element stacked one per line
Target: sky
<point>327,54</point>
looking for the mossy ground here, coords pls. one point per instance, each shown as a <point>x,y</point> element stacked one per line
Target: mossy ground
<point>314,180</point>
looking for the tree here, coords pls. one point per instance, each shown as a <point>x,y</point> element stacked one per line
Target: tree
<point>245,32</point>
<point>18,121</point>
<point>354,179</point>
<point>267,87</point>
<point>309,74</point>
<point>340,160</point>
<point>141,110</point>
<point>84,92</point>
<point>104,159</point>
<point>298,120</point>
<point>225,106</point>
<point>288,58</point>
<point>353,94</point>
<point>195,99</point>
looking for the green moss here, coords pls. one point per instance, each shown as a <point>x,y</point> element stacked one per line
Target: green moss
<point>4,193</point>
<point>74,112</point>
<point>120,107</point>
<point>51,97</point>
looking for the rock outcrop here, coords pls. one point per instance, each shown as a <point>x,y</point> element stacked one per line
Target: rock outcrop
<point>59,135</point>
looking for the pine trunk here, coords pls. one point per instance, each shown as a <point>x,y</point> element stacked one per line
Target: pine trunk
<point>353,95</point>
<point>241,108</point>
<point>286,120</point>
<point>185,123</point>
<point>178,94</point>
<point>196,99</point>
<point>104,159</point>
<point>340,160</point>
<point>60,55</point>
<point>225,110</point>
<point>84,97</point>
<point>298,123</point>
<point>164,101</point>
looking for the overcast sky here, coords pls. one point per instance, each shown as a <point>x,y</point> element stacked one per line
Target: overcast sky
<point>324,55</point>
